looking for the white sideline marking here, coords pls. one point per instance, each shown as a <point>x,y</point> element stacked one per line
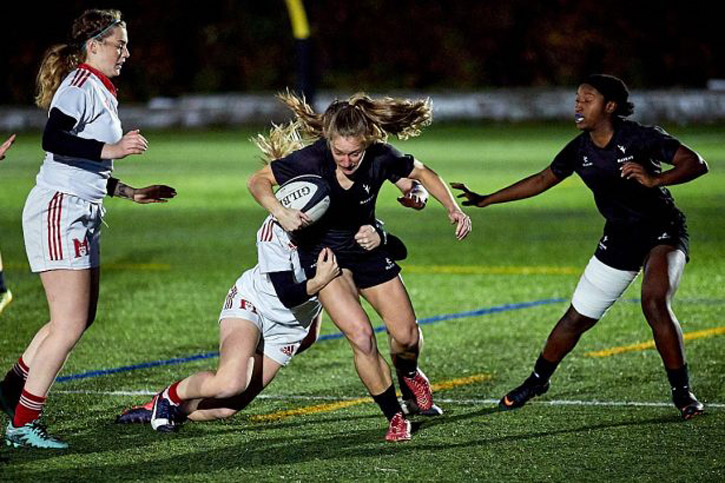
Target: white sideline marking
<point>554,402</point>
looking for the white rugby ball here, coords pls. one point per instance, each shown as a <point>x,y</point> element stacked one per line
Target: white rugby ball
<point>308,193</point>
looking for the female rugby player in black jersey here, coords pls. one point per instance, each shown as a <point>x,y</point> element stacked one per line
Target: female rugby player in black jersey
<point>352,156</point>
<point>619,160</point>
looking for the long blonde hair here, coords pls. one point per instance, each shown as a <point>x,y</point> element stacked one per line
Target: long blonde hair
<point>360,116</point>
<point>282,140</point>
<point>60,59</point>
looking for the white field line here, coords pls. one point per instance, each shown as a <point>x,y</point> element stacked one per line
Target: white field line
<point>467,402</point>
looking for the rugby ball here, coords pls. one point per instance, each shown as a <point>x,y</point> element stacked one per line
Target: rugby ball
<point>308,193</point>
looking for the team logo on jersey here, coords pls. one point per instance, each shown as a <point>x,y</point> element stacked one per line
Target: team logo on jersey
<point>229,302</point>
<point>247,305</point>
<point>81,247</point>
<point>621,148</point>
<point>366,187</point>
<point>288,350</point>
<point>603,243</point>
<point>585,162</point>
<point>664,236</point>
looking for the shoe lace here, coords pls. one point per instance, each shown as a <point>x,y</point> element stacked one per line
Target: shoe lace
<point>39,430</point>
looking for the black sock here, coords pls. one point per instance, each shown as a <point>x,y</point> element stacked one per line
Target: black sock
<point>543,369</point>
<point>3,288</point>
<point>679,378</point>
<point>404,366</point>
<point>388,402</point>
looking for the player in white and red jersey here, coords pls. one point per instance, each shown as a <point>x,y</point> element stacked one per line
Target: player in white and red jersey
<point>270,314</point>
<point>63,212</point>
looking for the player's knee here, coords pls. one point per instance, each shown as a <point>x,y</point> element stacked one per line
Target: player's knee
<point>655,306</point>
<point>228,387</point>
<point>573,321</point>
<point>66,337</point>
<point>407,337</point>
<point>362,339</point>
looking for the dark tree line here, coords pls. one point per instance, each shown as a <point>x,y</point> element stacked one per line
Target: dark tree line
<point>225,45</point>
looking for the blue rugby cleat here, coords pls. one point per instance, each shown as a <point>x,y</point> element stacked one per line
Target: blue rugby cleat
<point>32,435</point>
<point>140,414</point>
<point>165,415</point>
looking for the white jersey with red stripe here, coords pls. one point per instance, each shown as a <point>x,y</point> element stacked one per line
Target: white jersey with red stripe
<point>83,96</point>
<point>277,253</point>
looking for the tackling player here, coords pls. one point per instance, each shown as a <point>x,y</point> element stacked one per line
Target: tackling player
<point>63,212</point>
<point>270,315</point>
<point>619,160</point>
<point>350,153</point>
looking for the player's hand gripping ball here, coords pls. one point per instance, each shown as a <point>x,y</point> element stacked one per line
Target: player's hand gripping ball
<point>308,193</point>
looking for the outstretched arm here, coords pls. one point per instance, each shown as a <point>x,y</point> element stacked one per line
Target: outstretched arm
<point>525,188</point>
<point>157,193</point>
<point>260,186</point>
<point>6,145</point>
<point>688,165</point>
<point>435,185</point>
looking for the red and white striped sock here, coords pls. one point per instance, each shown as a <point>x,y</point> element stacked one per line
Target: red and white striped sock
<point>28,409</point>
<point>171,394</point>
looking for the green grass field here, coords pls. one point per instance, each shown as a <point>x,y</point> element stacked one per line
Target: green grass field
<point>167,268</point>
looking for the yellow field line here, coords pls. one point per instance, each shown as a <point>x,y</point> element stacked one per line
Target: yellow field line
<point>334,406</point>
<point>700,334</point>
<point>487,270</point>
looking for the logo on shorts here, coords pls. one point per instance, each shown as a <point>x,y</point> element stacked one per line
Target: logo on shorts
<point>81,247</point>
<point>389,263</point>
<point>288,350</point>
<point>664,236</point>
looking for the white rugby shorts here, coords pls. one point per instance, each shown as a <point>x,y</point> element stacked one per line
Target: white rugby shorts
<point>278,341</point>
<point>61,231</point>
<point>599,287</point>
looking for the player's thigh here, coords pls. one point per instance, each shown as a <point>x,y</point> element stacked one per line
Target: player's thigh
<point>340,300</point>
<point>391,301</point>
<point>662,272</point>
<point>238,339</point>
<point>71,295</point>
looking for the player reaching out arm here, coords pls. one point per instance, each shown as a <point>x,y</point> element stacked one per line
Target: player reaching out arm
<point>619,160</point>
<point>63,212</point>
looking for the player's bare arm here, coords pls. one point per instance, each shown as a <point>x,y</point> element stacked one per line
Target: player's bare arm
<point>260,186</point>
<point>688,165</point>
<point>525,188</point>
<point>435,185</point>
<point>149,194</point>
<point>6,145</point>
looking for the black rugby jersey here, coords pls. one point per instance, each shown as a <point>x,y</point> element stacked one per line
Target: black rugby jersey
<point>619,200</point>
<point>349,209</point>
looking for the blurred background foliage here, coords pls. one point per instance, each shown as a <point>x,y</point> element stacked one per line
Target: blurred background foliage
<point>246,46</point>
